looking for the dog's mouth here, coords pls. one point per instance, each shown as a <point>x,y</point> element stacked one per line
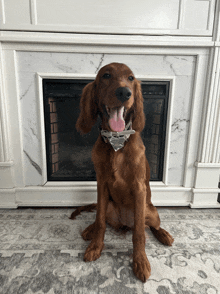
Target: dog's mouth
<point>116,119</point>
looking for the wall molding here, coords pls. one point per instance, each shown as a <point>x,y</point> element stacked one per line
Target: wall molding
<point>210,142</point>
<point>105,39</point>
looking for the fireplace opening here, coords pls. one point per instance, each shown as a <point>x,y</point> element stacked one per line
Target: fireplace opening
<point>69,153</point>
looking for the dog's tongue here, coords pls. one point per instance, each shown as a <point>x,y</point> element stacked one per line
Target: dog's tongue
<point>116,120</point>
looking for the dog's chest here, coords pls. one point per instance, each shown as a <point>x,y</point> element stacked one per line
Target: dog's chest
<point>121,179</point>
<point>120,166</point>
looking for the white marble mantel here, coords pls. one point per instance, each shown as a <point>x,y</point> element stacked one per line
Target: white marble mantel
<point>192,151</point>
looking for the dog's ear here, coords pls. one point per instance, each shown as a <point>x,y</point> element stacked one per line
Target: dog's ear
<point>139,117</point>
<point>88,109</point>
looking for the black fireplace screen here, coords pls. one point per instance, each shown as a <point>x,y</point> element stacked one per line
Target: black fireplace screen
<point>69,153</point>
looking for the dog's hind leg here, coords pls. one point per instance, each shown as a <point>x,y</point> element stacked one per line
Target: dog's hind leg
<point>89,232</point>
<point>163,236</point>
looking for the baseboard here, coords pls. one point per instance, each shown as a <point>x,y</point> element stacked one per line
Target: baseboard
<point>205,198</point>
<point>54,196</point>
<point>79,194</point>
<point>8,198</point>
<point>205,205</point>
<point>6,178</point>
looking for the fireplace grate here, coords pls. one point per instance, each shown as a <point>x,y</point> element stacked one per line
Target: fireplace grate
<point>69,153</point>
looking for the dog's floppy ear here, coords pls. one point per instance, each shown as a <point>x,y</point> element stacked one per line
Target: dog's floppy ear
<point>88,109</point>
<point>139,117</point>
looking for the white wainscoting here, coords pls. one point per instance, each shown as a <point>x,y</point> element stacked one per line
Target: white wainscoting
<point>177,17</point>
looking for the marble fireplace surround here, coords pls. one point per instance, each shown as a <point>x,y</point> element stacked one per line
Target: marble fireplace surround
<point>25,65</point>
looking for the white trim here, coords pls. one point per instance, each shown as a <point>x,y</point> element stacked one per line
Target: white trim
<point>205,198</point>
<point>114,48</point>
<point>16,80</point>
<point>50,196</point>
<point>205,205</point>
<point>42,127</point>
<point>64,76</point>
<point>70,184</point>
<point>216,24</point>
<point>14,148</point>
<point>211,15</point>
<point>109,25</point>
<point>207,165</point>
<point>205,191</point>
<point>196,111</point>
<point>2,10</point>
<point>7,197</point>
<point>207,175</point>
<point>210,118</point>
<point>33,12</point>
<point>28,38</point>
<point>171,79</point>
<point>6,178</point>
<point>6,164</point>
<point>181,14</point>
<point>80,195</point>
<point>95,29</point>
<point>4,143</point>
<point>168,129</point>
<point>2,128</point>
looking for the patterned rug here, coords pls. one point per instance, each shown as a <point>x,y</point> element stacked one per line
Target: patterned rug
<point>41,251</point>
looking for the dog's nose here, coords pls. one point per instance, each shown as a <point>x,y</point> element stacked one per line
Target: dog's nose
<point>123,93</point>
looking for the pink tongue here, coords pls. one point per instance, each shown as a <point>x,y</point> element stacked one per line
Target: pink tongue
<point>116,121</point>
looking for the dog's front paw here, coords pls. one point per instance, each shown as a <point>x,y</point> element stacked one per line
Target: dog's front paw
<point>141,267</point>
<point>93,252</point>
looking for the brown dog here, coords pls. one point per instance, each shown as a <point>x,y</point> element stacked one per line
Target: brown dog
<point>122,170</point>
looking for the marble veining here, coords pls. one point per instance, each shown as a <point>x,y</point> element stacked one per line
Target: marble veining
<point>180,67</point>
<point>179,125</point>
<point>34,164</point>
<point>100,63</point>
<point>26,91</point>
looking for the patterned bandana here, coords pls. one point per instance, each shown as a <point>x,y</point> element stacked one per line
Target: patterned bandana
<point>117,139</point>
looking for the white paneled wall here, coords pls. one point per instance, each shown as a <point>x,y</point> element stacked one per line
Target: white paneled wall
<point>178,17</point>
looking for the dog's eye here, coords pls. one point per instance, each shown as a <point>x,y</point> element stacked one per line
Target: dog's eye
<point>106,76</point>
<point>131,78</point>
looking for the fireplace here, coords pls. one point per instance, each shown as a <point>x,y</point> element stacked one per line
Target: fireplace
<point>40,146</point>
<point>69,153</point>
<point>172,49</point>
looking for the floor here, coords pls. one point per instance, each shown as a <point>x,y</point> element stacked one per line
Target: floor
<point>41,251</point>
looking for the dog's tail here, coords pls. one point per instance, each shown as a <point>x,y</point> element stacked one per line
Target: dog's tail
<point>88,208</point>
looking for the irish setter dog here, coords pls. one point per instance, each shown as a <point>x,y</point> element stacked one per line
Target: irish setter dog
<point>124,195</point>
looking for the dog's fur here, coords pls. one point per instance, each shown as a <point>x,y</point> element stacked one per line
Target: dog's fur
<point>124,195</point>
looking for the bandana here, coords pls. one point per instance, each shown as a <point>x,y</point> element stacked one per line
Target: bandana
<point>117,139</point>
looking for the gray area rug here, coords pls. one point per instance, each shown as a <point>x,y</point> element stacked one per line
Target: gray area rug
<point>41,251</point>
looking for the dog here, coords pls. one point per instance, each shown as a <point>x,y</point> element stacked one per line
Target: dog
<point>122,170</point>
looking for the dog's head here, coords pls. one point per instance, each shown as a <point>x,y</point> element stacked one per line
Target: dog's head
<point>116,96</point>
